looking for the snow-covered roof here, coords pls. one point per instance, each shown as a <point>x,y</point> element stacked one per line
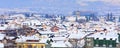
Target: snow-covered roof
<point>47,32</point>
<point>18,15</point>
<point>71,18</point>
<point>102,35</point>
<point>24,38</point>
<point>109,22</point>
<point>32,22</point>
<point>81,17</point>
<point>1,45</point>
<point>4,27</point>
<point>59,38</point>
<point>43,40</point>
<point>2,36</point>
<point>58,44</point>
<point>77,36</point>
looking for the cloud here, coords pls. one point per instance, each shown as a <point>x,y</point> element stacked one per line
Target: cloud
<point>112,2</point>
<point>14,9</point>
<point>81,3</point>
<point>107,2</point>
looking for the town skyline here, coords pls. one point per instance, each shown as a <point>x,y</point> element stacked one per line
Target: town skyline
<point>61,6</point>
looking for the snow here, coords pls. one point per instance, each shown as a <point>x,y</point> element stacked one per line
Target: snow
<point>24,38</point>
<point>47,32</point>
<point>58,44</point>
<point>4,27</point>
<point>43,40</point>
<point>10,37</point>
<point>77,36</point>
<point>32,37</point>
<point>68,44</point>
<point>71,18</point>
<point>2,36</point>
<point>59,38</point>
<point>1,45</point>
<point>109,35</point>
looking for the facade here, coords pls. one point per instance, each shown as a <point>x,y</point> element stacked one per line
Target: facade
<point>30,45</point>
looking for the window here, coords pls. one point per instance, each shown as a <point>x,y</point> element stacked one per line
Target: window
<point>2,25</point>
<point>42,46</point>
<point>29,46</point>
<point>19,47</point>
<point>34,23</point>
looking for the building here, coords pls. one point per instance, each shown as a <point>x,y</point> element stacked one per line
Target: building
<point>109,17</point>
<point>30,45</point>
<point>90,15</point>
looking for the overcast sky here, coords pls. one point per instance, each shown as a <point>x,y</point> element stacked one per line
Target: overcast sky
<point>62,6</point>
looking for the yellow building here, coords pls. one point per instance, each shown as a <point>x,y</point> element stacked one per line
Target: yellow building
<point>30,45</point>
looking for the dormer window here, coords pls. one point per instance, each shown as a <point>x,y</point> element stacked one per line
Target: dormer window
<point>34,23</point>
<point>2,25</point>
